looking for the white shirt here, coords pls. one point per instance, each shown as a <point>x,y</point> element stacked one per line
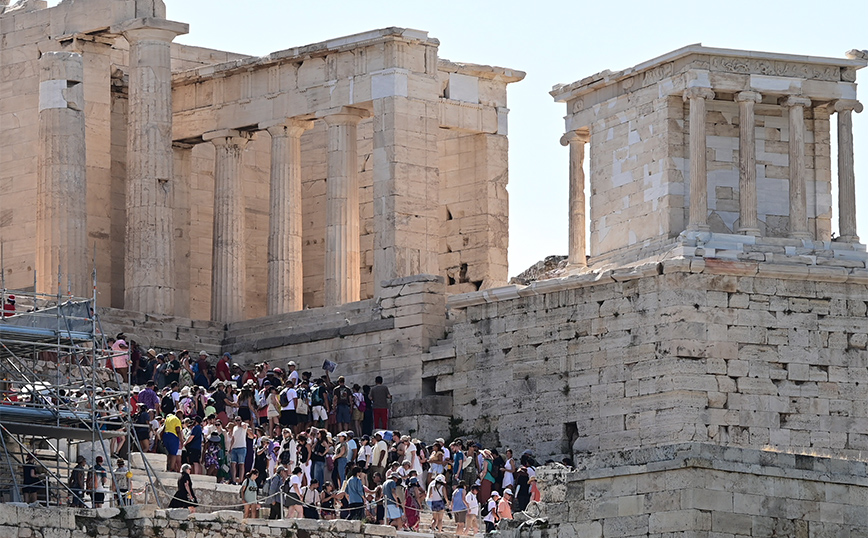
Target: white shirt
<point>294,376</point>
<point>492,508</point>
<point>239,436</point>
<point>410,454</point>
<point>472,503</point>
<point>291,395</point>
<point>295,484</point>
<point>365,454</point>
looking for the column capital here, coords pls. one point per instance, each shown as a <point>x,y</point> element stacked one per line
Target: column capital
<point>286,127</point>
<point>150,28</point>
<point>698,93</point>
<point>748,97</point>
<point>845,105</point>
<point>344,114</point>
<point>579,135</point>
<point>794,100</point>
<point>228,137</point>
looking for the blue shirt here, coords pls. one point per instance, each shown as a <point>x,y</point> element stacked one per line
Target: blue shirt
<point>389,492</point>
<point>355,490</point>
<point>196,432</point>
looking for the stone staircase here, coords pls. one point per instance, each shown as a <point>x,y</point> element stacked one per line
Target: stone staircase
<point>211,495</point>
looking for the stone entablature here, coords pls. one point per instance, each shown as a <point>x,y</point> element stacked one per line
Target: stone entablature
<point>704,140</point>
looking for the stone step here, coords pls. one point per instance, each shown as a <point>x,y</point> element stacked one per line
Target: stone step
<point>444,351</point>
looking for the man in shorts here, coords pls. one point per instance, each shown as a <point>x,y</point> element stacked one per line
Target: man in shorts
<point>319,403</point>
<point>288,416</point>
<point>172,442</point>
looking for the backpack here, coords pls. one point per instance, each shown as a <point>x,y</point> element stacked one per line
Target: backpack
<point>284,399</point>
<point>316,398</point>
<point>483,509</point>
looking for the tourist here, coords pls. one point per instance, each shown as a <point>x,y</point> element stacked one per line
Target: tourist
<point>172,436</point>
<point>249,489</point>
<point>394,512</point>
<point>238,434</point>
<point>32,480</point>
<point>292,497</point>
<point>184,496</point>
<point>273,487</point>
<point>472,510</point>
<point>77,481</point>
<point>356,491</point>
<point>223,371</point>
<point>368,418</point>
<point>459,507</point>
<point>490,518</point>
<point>436,499</point>
<point>414,501</point>
<point>359,406</point>
<point>504,506</point>
<point>122,481</point>
<point>340,459</point>
<point>379,456</point>
<point>381,398</point>
<point>343,403</point>
<point>327,501</point>
<point>486,474</point>
<point>193,445</point>
<point>319,403</point>
<point>288,400</point>
<point>310,498</point>
<point>508,469</point>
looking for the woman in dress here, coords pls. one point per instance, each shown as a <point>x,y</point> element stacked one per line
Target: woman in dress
<point>246,405</point>
<point>185,497</point>
<point>273,399</point>
<point>415,500</point>
<point>249,488</point>
<point>508,469</point>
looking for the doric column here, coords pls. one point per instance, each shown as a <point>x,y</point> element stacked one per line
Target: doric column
<point>149,269</point>
<point>798,174</point>
<point>578,251</point>
<point>285,283</point>
<point>342,256</point>
<point>228,255</point>
<point>698,217</point>
<point>846,176</point>
<point>748,222</point>
<point>61,193</point>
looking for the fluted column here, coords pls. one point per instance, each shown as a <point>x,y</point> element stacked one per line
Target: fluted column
<point>578,250</point>
<point>748,221</point>
<point>798,174</point>
<point>285,269</point>
<point>846,175</point>
<point>61,193</point>
<point>698,216</point>
<point>149,269</point>
<point>343,255</point>
<point>228,254</point>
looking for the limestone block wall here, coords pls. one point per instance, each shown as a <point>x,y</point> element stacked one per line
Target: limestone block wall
<point>24,522</point>
<point>737,354</point>
<point>636,194</point>
<point>700,490</point>
<point>368,338</point>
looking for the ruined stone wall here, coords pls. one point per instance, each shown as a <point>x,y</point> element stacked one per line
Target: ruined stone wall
<point>738,354</point>
<point>24,522</point>
<point>698,490</point>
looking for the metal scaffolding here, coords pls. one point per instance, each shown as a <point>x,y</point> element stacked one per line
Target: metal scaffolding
<point>60,397</point>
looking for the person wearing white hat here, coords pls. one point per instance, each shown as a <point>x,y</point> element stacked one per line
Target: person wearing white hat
<point>437,499</point>
<point>491,518</point>
<point>504,508</point>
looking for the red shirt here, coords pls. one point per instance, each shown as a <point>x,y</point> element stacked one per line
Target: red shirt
<point>223,372</point>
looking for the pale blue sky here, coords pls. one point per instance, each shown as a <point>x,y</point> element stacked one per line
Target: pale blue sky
<point>554,42</point>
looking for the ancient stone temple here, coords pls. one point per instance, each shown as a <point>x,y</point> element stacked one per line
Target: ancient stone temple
<point>703,356</point>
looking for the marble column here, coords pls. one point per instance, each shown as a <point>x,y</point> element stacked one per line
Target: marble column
<point>343,254</point>
<point>578,250</point>
<point>61,192</point>
<point>748,221</point>
<point>798,174</point>
<point>846,175</point>
<point>698,216</point>
<point>149,269</point>
<point>285,270</point>
<point>228,255</point>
